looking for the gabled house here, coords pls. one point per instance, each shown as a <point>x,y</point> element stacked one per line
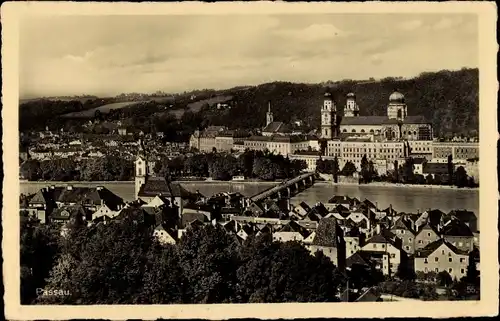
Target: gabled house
<point>425,236</point>
<point>302,209</point>
<point>92,198</point>
<point>339,200</point>
<point>442,256</point>
<point>291,232</point>
<point>71,212</point>
<point>459,235</point>
<point>402,228</point>
<point>353,241</point>
<point>434,217</point>
<point>384,250</point>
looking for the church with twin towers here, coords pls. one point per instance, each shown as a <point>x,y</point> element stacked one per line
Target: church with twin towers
<point>396,125</point>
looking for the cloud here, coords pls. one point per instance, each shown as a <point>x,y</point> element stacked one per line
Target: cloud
<point>79,58</point>
<point>315,32</point>
<point>376,59</point>
<point>411,25</point>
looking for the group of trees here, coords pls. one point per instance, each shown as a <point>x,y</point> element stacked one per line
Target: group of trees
<point>121,263</point>
<point>108,168</point>
<point>329,166</point>
<point>405,174</point>
<point>223,166</point>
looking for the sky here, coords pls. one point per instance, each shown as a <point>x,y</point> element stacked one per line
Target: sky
<point>108,55</point>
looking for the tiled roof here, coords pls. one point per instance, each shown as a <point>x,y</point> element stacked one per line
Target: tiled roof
<point>188,218</point>
<point>363,120</point>
<point>402,223</point>
<point>464,215</point>
<point>381,120</point>
<point>276,127</point>
<point>339,199</point>
<point>73,211</point>
<point>159,186</point>
<point>358,259</point>
<point>457,228</point>
<point>295,227</point>
<point>430,248</point>
<point>90,196</point>
<point>378,238</point>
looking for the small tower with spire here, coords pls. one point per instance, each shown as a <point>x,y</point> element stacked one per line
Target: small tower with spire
<point>141,170</point>
<point>269,114</point>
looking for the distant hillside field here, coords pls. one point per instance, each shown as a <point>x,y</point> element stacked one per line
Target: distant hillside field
<point>196,106</point>
<point>103,110</point>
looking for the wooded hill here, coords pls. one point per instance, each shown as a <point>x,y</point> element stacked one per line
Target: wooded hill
<point>450,99</point>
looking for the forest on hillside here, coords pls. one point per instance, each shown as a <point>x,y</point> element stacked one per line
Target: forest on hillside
<point>448,99</point>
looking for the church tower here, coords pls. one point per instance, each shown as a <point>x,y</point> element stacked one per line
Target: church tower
<point>328,117</point>
<point>351,109</point>
<point>269,115</point>
<point>141,174</point>
<point>141,170</point>
<point>397,107</point>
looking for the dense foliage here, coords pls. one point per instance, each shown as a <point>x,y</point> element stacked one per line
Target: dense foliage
<point>121,263</point>
<point>108,168</point>
<point>223,166</point>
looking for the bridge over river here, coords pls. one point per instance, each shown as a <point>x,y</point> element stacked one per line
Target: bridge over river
<point>286,189</point>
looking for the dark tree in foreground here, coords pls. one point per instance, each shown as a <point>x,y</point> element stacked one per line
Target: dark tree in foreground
<point>284,272</point>
<point>39,249</point>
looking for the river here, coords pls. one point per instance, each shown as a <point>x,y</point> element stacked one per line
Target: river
<point>403,199</point>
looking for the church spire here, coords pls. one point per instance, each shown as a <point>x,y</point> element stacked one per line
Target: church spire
<point>269,114</point>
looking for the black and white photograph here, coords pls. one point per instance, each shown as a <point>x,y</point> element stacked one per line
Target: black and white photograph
<point>224,156</point>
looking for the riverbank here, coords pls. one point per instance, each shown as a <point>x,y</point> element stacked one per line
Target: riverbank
<point>385,184</point>
<point>76,183</point>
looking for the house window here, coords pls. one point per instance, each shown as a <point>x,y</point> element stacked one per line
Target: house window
<point>409,239</point>
<point>450,270</point>
<point>442,252</point>
<point>436,259</point>
<point>419,241</point>
<point>428,234</point>
<point>374,246</point>
<point>450,259</point>
<point>426,270</point>
<point>436,270</point>
<point>462,271</point>
<point>461,260</point>
<point>393,255</point>
<point>426,261</point>
<point>407,248</point>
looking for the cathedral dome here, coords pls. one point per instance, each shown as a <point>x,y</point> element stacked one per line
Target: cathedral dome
<point>396,97</point>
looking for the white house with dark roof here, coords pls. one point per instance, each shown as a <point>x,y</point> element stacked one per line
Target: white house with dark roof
<point>442,256</point>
